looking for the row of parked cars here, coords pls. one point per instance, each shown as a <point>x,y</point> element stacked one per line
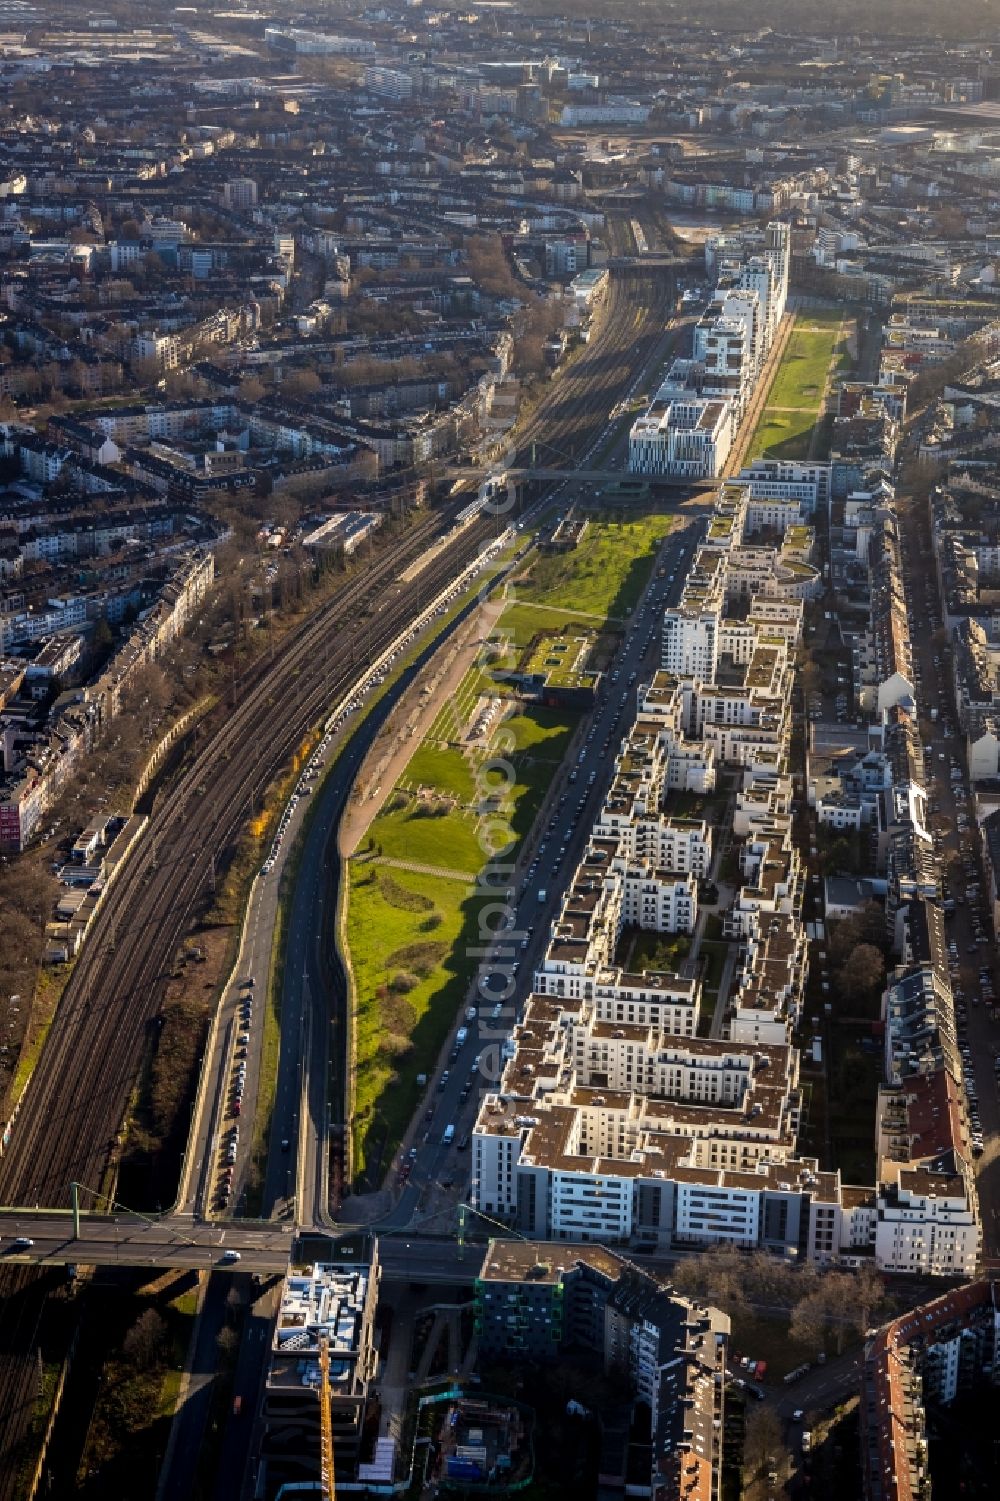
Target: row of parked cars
<point>229,1145</point>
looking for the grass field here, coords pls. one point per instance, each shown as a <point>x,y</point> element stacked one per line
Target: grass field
<point>784,435</point>
<point>411,971</point>
<point>522,621</point>
<point>604,575</point>
<point>417,832</point>
<point>788,423</point>
<point>411,935</point>
<point>442,767</point>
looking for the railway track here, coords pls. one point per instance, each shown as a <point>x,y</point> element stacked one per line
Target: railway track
<point>67,1127</point>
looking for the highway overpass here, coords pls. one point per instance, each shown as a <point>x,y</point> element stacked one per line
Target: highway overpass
<point>183,1242</point>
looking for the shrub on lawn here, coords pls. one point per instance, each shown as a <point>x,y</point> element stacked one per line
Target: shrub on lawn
<point>431,808</point>
<point>420,957</point>
<point>399,896</point>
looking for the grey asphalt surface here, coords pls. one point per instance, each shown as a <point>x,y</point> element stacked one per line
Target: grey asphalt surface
<point>133,1240</point>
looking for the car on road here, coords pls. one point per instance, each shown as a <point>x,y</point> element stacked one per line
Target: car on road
<point>231,1255</point>
<point>23,1243</point>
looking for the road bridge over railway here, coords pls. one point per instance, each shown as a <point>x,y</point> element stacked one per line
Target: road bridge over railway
<point>651,261</point>
<point>42,1238</point>
<point>587,476</point>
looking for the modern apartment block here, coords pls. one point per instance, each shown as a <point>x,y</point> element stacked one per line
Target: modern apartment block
<point>690,437</point>
<point>333,1303</point>
<point>388,83</point>
<point>689,427</point>
<point>614,1120</point>
<point>537,1300</point>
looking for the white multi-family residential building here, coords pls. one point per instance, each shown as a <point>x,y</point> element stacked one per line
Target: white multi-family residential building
<point>926,1225</point>
<point>389,83</point>
<point>689,438</point>
<point>613,1120</point>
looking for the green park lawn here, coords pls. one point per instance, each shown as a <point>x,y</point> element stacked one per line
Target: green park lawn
<point>784,435</point>
<point>423,831</point>
<point>410,933</point>
<point>789,420</point>
<point>604,575</point>
<point>411,970</point>
<point>801,374</point>
<point>442,767</point>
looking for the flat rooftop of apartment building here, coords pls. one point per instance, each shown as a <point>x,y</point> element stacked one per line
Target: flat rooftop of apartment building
<point>542,1261</point>
<point>323,1300</point>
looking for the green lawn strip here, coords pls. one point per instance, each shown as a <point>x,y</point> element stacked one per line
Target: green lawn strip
<point>798,386</point>
<point>604,574</point>
<point>445,769</point>
<point>428,831</point>
<point>411,970</point>
<point>541,739</point>
<point>544,731</point>
<point>802,371</point>
<point>784,435</point>
<point>825,317</point>
<point>522,621</point>
<point>411,934</point>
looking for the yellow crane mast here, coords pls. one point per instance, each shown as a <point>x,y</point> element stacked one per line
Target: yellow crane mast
<point>328,1484</point>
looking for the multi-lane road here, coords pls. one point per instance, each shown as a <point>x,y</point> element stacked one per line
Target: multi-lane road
<point>46,1238</point>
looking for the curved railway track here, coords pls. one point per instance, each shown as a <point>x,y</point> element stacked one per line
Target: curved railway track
<point>76,1100</point>
<point>74,1104</point>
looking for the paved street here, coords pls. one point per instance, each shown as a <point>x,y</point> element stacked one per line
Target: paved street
<point>959,853</point>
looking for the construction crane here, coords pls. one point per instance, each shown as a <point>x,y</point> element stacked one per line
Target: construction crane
<point>327,1480</point>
